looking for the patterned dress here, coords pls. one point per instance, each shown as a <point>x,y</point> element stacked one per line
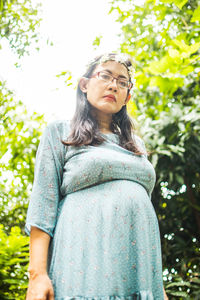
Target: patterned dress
<point>95,203</point>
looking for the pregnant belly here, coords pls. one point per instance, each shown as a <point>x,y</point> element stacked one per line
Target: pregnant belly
<point>104,211</point>
<point>109,230</point>
<point>106,199</point>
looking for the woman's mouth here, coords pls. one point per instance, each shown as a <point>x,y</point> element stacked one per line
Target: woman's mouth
<point>110,98</point>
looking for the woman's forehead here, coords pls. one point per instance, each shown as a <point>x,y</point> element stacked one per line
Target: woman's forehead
<point>114,67</point>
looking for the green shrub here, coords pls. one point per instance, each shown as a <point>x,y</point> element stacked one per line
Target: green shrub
<point>13,264</point>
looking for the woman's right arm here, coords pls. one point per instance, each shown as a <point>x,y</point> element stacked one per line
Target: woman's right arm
<point>40,286</point>
<point>43,206</point>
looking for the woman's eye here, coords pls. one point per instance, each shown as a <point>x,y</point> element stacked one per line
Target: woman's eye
<point>105,76</point>
<point>123,83</point>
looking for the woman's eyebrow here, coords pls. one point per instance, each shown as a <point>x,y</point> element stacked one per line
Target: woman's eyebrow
<point>120,76</point>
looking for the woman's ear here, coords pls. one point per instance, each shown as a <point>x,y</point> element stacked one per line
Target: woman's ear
<point>83,83</point>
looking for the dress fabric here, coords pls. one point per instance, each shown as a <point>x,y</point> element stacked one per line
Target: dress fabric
<point>95,203</point>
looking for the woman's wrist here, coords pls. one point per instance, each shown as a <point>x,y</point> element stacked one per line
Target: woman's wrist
<point>33,272</point>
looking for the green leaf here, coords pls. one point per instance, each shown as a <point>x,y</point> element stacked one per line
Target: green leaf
<point>176,56</point>
<point>181,45</point>
<point>179,179</point>
<point>178,294</point>
<point>196,280</point>
<point>158,67</point>
<point>184,283</point>
<point>194,48</point>
<point>196,15</point>
<point>167,1</point>
<point>180,3</point>
<point>154,159</point>
<point>187,70</point>
<point>97,41</point>
<point>63,73</point>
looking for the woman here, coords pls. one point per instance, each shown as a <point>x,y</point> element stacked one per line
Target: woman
<point>93,229</point>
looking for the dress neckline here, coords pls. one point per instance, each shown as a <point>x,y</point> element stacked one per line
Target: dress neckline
<point>112,137</point>
<point>109,133</point>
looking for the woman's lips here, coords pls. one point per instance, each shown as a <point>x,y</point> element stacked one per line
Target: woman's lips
<point>110,98</point>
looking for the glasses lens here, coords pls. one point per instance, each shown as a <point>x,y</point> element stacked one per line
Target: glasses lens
<point>123,83</point>
<point>105,76</point>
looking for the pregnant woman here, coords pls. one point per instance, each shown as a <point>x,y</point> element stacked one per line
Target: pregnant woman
<point>93,230</point>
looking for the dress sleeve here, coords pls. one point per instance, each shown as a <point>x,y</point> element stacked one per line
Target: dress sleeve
<point>45,196</point>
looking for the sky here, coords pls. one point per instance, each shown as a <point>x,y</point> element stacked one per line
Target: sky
<point>72,26</point>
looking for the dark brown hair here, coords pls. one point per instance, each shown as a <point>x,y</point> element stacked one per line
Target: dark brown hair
<point>85,128</point>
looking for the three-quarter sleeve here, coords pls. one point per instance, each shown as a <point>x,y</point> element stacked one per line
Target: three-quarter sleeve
<point>45,196</point>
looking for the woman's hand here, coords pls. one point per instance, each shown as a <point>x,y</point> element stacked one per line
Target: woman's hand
<point>165,295</point>
<point>40,288</point>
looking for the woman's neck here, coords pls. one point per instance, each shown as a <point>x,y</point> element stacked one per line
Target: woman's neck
<point>104,127</point>
<point>104,122</point>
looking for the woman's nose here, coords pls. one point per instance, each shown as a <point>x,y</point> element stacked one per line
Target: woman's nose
<point>113,84</point>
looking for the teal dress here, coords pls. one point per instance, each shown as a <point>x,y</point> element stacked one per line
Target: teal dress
<point>95,203</point>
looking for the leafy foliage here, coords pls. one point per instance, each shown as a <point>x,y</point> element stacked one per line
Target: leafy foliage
<point>67,76</point>
<point>97,41</point>
<point>19,136</point>
<point>19,21</point>
<point>163,37</point>
<point>13,264</point>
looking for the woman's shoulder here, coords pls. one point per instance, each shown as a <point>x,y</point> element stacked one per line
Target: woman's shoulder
<point>58,128</point>
<point>59,124</point>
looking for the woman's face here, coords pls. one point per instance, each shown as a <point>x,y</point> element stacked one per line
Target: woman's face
<point>107,98</point>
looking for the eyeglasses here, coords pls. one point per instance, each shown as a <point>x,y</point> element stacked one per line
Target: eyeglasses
<point>108,78</point>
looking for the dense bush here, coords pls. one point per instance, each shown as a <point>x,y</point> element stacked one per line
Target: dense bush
<point>19,137</point>
<point>13,264</point>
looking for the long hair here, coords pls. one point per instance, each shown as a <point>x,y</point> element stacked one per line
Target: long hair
<point>85,128</point>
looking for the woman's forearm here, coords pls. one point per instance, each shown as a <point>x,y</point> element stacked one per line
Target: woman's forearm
<point>40,286</point>
<point>39,244</point>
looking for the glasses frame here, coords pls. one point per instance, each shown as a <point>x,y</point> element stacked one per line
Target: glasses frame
<point>117,78</point>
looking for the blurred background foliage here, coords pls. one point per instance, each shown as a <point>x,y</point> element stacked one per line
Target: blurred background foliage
<point>163,38</point>
<point>19,138</point>
<point>13,264</point>
<point>19,22</point>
